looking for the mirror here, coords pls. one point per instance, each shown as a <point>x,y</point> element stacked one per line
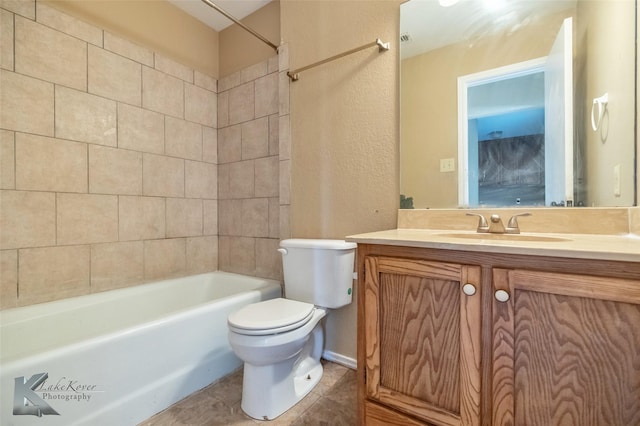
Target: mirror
<point>517,103</point>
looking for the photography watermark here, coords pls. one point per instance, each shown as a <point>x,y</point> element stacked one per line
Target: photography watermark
<point>32,396</point>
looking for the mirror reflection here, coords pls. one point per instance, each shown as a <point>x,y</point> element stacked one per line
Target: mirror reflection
<point>517,103</point>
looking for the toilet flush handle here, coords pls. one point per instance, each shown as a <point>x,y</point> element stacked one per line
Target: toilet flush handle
<point>283,251</point>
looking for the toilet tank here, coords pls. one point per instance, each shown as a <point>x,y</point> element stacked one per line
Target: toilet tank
<point>318,271</point>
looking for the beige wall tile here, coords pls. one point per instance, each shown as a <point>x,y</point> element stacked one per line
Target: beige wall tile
<point>241,179</point>
<point>184,217</point>
<point>140,129</point>
<point>202,254</point>
<point>230,217</point>
<point>274,218</point>
<point>114,77</point>
<point>183,139</point>
<point>285,182</point>
<point>283,93</point>
<point>50,55</point>
<point>210,219</point>
<point>223,253</point>
<point>268,259</point>
<point>164,258</point>
<point>162,176</point>
<point>114,171</point>
<point>273,64</point>
<point>27,219</point>
<point>171,67</point>
<point>242,256</point>
<point>230,144</point>
<point>255,217</point>
<point>267,180</point>
<point>223,181</point>
<point>223,109</point>
<point>209,145</point>
<point>284,138</point>
<point>27,104</point>
<point>53,273</point>
<point>116,265</point>
<point>86,218</point>
<point>241,103</point>
<point>127,49</point>
<point>230,81</point>
<point>60,21</point>
<point>283,57</point>
<point>26,8</point>
<point>6,39</point>
<point>205,81</point>
<point>285,222</point>
<point>255,138</point>
<point>141,218</point>
<point>8,279</point>
<point>7,160</point>
<point>200,105</point>
<point>274,134</point>
<point>47,164</point>
<point>253,72</point>
<point>201,180</point>
<point>162,92</point>
<point>84,117</point>
<point>267,95</point>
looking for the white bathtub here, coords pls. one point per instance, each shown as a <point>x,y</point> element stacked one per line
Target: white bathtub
<point>118,357</point>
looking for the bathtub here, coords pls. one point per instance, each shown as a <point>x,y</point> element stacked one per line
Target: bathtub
<point>118,357</point>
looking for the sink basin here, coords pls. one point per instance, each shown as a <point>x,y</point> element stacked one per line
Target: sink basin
<point>505,237</point>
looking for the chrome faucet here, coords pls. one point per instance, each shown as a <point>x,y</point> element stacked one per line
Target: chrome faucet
<point>496,226</point>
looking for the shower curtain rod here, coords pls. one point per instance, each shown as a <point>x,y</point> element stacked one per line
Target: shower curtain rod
<point>382,47</point>
<point>255,34</point>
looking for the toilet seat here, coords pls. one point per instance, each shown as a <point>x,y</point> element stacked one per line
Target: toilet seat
<point>270,317</point>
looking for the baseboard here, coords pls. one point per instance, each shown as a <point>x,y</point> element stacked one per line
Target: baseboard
<point>340,359</point>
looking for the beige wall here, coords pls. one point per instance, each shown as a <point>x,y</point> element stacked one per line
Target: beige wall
<point>157,25</point>
<point>344,134</point>
<point>613,143</point>
<point>239,48</point>
<point>104,185</point>
<point>429,126</point>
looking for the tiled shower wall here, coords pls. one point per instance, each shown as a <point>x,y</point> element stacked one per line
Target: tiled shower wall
<point>108,162</point>
<point>248,170</point>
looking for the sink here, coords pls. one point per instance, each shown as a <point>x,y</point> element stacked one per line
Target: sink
<point>505,237</point>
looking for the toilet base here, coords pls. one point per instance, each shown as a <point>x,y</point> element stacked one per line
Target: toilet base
<point>270,390</point>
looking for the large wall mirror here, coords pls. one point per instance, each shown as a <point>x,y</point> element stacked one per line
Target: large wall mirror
<point>510,103</point>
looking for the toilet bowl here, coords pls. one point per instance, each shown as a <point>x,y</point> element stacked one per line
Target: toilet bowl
<point>281,340</point>
<point>280,368</point>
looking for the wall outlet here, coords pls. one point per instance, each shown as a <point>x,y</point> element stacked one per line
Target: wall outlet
<point>447,165</point>
<point>616,180</point>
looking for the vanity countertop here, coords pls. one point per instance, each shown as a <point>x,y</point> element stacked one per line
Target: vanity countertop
<point>583,246</point>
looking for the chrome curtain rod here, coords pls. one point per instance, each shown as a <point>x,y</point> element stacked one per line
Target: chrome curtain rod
<point>382,47</point>
<point>255,34</point>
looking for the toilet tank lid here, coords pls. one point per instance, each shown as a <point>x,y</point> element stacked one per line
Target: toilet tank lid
<point>320,244</point>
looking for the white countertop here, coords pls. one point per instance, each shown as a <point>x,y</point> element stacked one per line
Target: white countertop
<point>582,246</point>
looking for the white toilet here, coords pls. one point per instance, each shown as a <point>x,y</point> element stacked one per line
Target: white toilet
<point>281,340</point>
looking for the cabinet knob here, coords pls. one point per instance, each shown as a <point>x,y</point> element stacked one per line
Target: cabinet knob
<point>469,289</point>
<point>501,296</point>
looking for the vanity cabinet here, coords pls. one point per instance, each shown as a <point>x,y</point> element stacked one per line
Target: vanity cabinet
<point>469,338</point>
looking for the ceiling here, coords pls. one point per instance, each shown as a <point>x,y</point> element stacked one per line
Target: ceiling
<point>236,8</point>
<point>430,26</point>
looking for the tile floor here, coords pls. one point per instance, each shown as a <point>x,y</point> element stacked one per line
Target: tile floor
<point>332,402</point>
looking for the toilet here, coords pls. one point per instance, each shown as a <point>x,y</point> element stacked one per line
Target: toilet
<point>281,340</point>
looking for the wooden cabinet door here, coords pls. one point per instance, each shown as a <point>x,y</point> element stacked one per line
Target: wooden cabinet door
<point>566,350</point>
<point>423,338</point>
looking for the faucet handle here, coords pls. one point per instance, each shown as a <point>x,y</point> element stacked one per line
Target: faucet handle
<point>483,226</point>
<point>512,226</point>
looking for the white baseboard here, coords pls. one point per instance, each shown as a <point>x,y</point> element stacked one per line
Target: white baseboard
<point>340,359</point>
